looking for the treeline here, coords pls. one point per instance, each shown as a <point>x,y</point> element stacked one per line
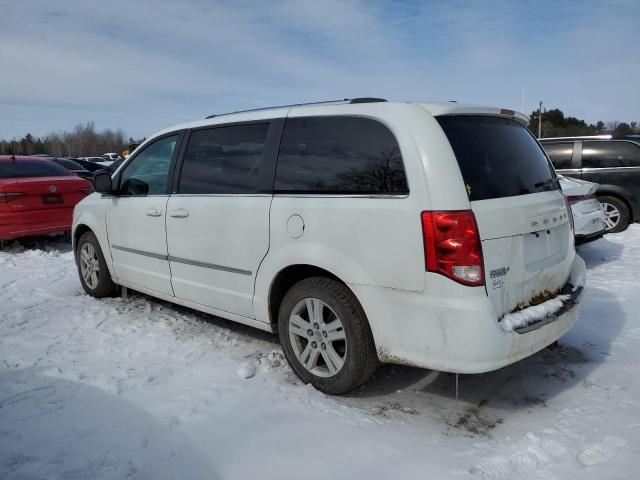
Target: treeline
<point>556,124</point>
<point>83,141</point>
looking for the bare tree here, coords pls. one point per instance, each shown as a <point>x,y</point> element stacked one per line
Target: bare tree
<point>83,140</point>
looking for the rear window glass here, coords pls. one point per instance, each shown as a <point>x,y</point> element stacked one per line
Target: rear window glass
<point>69,164</point>
<point>498,157</point>
<point>26,168</point>
<point>339,155</point>
<point>560,154</point>
<point>602,154</point>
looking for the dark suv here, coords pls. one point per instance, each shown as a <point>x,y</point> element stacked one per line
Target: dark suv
<point>612,163</point>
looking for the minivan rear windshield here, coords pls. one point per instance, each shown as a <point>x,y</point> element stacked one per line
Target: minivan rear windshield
<point>26,168</point>
<point>498,157</point>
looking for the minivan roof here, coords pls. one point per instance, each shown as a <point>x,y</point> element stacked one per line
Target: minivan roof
<point>454,108</point>
<point>435,108</point>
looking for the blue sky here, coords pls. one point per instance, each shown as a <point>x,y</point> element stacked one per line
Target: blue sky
<point>144,65</point>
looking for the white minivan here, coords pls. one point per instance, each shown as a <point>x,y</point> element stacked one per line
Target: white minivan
<point>362,231</point>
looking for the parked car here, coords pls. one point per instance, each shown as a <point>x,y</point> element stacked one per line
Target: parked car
<point>37,196</point>
<point>73,167</point>
<point>93,167</point>
<point>612,163</point>
<point>588,214</point>
<point>114,166</point>
<point>111,157</point>
<point>103,162</point>
<point>362,231</point>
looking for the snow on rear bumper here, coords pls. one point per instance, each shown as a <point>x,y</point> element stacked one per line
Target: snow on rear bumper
<point>531,318</point>
<point>453,328</point>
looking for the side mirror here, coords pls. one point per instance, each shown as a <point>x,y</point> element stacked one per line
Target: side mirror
<point>102,183</point>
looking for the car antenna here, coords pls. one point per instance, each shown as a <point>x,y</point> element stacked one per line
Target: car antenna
<point>13,155</point>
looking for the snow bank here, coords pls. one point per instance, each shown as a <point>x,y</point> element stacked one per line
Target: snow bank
<point>141,389</point>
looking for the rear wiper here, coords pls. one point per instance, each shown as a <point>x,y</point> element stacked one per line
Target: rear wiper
<point>542,186</point>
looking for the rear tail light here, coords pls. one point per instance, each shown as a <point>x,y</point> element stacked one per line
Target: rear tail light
<point>506,111</point>
<point>6,196</point>
<point>580,198</point>
<point>452,246</point>
<point>86,190</point>
<point>568,204</point>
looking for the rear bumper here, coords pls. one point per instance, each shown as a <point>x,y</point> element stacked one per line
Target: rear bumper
<point>589,224</point>
<point>582,239</point>
<point>455,331</point>
<point>575,295</point>
<point>37,222</point>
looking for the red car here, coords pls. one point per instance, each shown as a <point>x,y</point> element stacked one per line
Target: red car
<point>37,196</point>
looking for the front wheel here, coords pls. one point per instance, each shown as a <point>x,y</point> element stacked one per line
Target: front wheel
<point>325,335</point>
<point>92,267</point>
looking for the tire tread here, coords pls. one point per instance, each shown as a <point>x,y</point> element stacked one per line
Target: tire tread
<point>364,357</point>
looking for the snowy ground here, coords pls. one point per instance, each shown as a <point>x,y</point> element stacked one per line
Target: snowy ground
<point>110,389</point>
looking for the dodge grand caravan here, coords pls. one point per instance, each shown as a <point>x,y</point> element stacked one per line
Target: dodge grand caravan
<point>361,231</point>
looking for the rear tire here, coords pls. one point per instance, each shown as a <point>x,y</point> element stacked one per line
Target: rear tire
<point>325,335</point>
<point>617,213</point>
<point>92,268</point>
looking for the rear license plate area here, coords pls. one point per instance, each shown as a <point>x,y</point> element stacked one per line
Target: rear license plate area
<point>543,248</point>
<point>52,199</point>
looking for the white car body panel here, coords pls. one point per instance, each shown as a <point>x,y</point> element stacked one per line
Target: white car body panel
<point>92,216</point>
<point>588,214</point>
<point>373,244</point>
<point>136,225</point>
<point>225,237</point>
<point>527,247</point>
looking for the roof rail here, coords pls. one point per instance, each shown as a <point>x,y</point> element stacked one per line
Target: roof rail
<point>325,102</point>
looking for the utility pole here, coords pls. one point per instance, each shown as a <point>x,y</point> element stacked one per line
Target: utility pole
<point>540,121</point>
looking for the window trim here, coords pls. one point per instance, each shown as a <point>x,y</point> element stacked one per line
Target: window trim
<point>563,142</point>
<point>170,174</point>
<point>342,194</point>
<point>270,154</point>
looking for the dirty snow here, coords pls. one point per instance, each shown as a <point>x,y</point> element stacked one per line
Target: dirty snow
<point>536,313</point>
<point>532,314</point>
<point>141,389</point>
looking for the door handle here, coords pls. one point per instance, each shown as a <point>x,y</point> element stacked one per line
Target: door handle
<point>154,212</point>
<point>179,213</point>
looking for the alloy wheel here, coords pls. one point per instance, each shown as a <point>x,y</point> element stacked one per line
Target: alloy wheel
<point>317,337</point>
<point>89,265</point>
<point>612,215</point>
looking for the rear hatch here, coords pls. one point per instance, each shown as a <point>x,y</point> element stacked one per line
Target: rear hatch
<point>29,194</point>
<point>522,216</point>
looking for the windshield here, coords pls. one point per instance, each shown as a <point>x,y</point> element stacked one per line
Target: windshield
<point>498,157</point>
